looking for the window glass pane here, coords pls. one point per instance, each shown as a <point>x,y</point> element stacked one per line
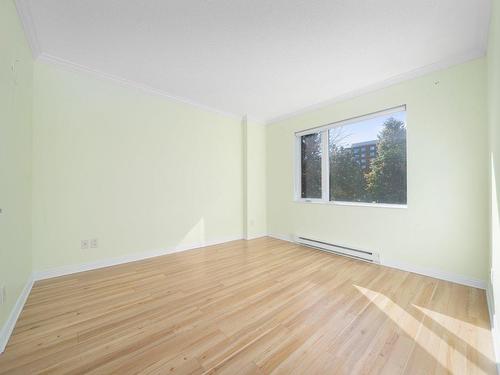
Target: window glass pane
<point>310,156</point>
<point>368,160</point>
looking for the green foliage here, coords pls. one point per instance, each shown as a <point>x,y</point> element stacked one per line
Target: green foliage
<point>387,178</point>
<point>311,165</point>
<point>347,181</point>
<point>383,181</point>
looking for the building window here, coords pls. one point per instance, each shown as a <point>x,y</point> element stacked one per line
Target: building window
<point>330,169</point>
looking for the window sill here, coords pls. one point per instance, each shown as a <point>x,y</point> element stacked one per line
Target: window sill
<point>354,204</point>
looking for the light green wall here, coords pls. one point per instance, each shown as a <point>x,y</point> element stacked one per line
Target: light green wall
<point>137,171</point>
<point>445,226</point>
<point>16,79</point>
<point>255,181</point>
<point>493,60</point>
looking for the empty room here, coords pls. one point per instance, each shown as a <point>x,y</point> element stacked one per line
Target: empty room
<point>249,187</point>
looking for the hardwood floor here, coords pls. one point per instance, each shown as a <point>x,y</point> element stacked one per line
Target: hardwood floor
<point>250,307</point>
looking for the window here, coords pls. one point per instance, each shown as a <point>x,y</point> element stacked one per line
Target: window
<point>330,169</point>
<point>310,157</point>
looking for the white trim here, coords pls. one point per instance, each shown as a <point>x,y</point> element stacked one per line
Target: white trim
<point>323,130</point>
<point>297,166</point>
<point>310,200</point>
<point>282,237</point>
<point>419,72</point>
<point>50,59</point>
<point>437,274</point>
<point>24,12</point>
<point>434,273</point>
<point>325,167</point>
<point>255,236</point>
<point>9,325</point>
<point>495,329</point>
<point>27,21</point>
<point>364,204</point>
<point>76,268</point>
<point>352,120</point>
<point>352,204</point>
<point>356,253</point>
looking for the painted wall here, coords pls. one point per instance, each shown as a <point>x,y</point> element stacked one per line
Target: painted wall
<point>16,80</point>
<point>255,180</point>
<point>445,226</point>
<point>493,60</point>
<point>139,172</point>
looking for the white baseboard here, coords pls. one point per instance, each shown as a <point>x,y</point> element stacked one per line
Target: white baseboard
<point>254,236</point>
<point>9,325</point>
<point>67,270</point>
<point>283,237</point>
<point>437,274</point>
<point>495,328</point>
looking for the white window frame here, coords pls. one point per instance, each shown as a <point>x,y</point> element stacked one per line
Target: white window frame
<point>325,165</point>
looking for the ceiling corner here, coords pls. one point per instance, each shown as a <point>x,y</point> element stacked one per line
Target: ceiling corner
<point>24,12</point>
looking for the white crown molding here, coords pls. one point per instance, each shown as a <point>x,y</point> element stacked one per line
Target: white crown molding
<point>9,325</point>
<point>24,12</point>
<point>436,274</point>
<point>50,59</point>
<point>76,268</point>
<point>27,21</point>
<point>456,60</point>
<point>485,32</point>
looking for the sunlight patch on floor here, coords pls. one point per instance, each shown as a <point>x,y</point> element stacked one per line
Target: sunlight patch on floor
<point>447,355</point>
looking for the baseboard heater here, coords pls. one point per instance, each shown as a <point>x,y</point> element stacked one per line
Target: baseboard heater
<point>368,256</point>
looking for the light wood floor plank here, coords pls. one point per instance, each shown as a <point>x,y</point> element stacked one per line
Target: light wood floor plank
<point>250,307</point>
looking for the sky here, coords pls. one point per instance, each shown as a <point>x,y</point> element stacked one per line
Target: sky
<point>366,130</point>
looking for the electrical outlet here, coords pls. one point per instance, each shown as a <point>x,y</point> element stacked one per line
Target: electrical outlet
<point>94,243</point>
<point>84,244</point>
<point>2,294</point>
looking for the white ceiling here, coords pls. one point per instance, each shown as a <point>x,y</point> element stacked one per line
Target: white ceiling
<point>264,58</point>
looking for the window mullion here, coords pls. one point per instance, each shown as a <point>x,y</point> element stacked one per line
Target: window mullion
<point>325,173</point>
